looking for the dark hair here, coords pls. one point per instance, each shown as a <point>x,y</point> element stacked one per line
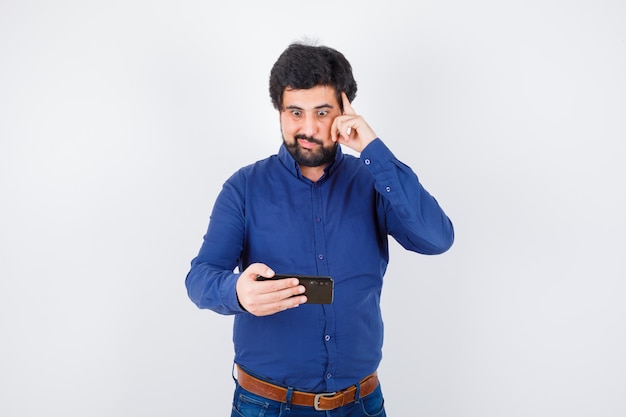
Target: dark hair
<point>303,66</point>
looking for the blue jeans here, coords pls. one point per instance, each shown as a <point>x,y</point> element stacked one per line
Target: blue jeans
<point>247,404</point>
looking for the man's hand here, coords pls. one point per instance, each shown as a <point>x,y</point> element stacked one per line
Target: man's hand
<point>351,129</point>
<point>263,298</point>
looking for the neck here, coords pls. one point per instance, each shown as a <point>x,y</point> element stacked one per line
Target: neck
<point>312,173</point>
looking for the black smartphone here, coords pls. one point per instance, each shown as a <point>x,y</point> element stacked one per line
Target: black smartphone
<point>319,290</point>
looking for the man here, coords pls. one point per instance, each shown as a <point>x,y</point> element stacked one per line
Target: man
<point>312,210</point>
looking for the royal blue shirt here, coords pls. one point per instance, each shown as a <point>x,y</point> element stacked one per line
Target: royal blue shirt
<point>338,226</point>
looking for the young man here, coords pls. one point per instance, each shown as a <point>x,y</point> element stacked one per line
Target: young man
<point>312,210</point>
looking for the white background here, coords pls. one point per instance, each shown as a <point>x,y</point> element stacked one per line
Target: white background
<point>120,120</point>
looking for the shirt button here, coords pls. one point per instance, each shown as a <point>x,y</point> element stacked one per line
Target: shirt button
<point>388,189</point>
<point>320,256</point>
<point>329,375</point>
<point>317,219</point>
<point>327,337</point>
<point>367,161</point>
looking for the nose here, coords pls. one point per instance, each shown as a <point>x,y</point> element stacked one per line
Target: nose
<point>309,125</point>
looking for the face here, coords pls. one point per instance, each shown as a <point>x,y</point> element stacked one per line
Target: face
<point>305,120</point>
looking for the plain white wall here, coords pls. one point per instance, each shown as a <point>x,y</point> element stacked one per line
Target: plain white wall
<point>120,120</point>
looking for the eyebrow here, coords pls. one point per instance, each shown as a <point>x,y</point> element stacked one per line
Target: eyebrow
<point>321,106</point>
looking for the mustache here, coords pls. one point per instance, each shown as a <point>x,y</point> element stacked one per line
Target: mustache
<point>309,139</point>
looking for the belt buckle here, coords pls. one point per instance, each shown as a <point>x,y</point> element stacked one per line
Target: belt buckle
<point>316,400</point>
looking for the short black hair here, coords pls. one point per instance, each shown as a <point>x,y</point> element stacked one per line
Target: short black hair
<point>303,66</point>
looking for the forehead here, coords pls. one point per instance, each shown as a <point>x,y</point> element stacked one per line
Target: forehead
<point>310,98</point>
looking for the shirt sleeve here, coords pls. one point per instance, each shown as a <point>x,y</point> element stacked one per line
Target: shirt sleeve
<point>211,282</point>
<point>412,216</point>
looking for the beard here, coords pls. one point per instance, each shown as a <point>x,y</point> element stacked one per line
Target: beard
<point>311,157</point>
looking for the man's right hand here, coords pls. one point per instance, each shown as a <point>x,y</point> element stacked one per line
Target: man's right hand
<point>263,298</point>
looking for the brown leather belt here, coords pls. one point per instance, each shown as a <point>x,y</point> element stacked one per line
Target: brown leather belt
<point>322,401</point>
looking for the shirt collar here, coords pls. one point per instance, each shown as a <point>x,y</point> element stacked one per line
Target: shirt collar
<point>292,166</point>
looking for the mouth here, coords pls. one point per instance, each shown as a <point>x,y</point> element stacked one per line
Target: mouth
<point>308,142</point>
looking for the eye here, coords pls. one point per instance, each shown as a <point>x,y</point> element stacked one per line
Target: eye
<point>322,113</point>
<point>296,113</point>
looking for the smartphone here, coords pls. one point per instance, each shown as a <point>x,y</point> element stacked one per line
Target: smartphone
<point>318,289</point>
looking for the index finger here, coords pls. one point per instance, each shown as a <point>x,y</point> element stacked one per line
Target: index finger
<point>347,107</point>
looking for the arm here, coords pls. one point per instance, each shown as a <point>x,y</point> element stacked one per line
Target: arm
<point>413,217</point>
<point>211,282</point>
